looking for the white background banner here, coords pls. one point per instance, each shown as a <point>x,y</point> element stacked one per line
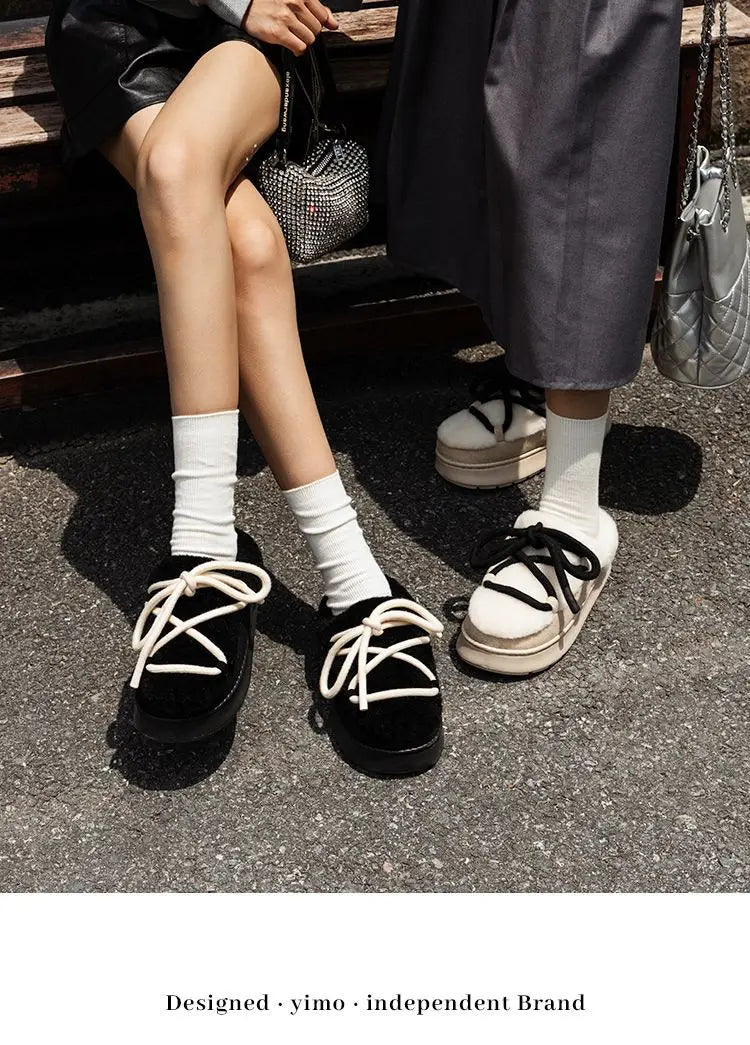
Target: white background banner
<point>359,969</point>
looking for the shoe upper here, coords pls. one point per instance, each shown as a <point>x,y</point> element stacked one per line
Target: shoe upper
<point>379,672</point>
<point>183,672</point>
<point>503,605</point>
<point>504,409</point>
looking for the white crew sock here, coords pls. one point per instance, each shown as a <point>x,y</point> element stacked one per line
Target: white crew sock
<point>325,516</point>
<point>205,459</point>
<point>570,497</point>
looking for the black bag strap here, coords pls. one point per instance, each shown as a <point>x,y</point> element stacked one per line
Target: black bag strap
<point>292,81</point>
<point>288,81</point>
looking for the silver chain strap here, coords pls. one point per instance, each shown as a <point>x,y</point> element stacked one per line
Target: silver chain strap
<point>729,155</point>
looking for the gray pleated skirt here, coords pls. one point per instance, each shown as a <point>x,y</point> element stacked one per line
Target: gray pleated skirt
<point>527,160</point>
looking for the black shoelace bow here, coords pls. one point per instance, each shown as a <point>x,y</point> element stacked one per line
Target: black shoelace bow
<point>513,392</point>
<point>500,548</point>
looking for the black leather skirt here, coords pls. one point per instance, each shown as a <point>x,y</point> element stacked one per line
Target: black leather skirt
<point>110,58</point>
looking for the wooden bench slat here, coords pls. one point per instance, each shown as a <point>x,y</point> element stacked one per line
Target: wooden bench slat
<point>22,37</point>
<point>39,123</point>
<point>24,78</point>
<point>692,22</point>
<point>368,26</point>
<point>33,125</point>
<point>32,377</point>
<point>374,23</point>
<point>366,72</point>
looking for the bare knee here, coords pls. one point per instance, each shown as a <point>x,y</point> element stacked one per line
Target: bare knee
<point>162,167</point>
<point>173,180</point>
<point>257,247</point>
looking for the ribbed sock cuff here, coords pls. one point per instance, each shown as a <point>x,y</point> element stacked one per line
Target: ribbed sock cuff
<point>326,518</point>
<point>571,483</point>
<point>205,450</point>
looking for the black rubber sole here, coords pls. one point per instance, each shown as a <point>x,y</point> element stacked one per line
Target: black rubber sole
<point>199,727</point>
<point>379,762</point>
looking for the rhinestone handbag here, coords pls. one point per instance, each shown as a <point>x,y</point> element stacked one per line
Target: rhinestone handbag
<point>322,201</point>
<point>702,332</point>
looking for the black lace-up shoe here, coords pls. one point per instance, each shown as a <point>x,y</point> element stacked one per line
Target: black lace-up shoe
<point>378,690</point>
<point>194,640</point>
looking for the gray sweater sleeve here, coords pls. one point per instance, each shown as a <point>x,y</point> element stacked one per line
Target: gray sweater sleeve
<point>232,11</point>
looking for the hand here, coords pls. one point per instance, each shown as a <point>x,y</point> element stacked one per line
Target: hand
<point>293,24</point>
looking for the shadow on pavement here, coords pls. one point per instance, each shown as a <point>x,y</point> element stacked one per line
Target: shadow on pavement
<point>159,767</point>
<point>649,470</point>
<point>383,417</point>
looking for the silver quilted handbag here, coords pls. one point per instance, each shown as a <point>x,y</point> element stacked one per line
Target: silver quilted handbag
<point>702,332</point>
<point>323,201</point>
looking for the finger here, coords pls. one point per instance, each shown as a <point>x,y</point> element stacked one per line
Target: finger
<point>302,33</point>
<point>291,42</point>
<point>324,14</point>
<point>309,20</point>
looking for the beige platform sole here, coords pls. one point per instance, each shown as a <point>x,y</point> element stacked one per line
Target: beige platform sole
<point>482,652</point>
<point>486,475</point>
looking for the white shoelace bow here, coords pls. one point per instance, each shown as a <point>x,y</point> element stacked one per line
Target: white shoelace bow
<point>355,644</point>
<point>163,601</point>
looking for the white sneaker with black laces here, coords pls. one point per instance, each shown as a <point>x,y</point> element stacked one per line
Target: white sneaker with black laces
<point>540,587</point>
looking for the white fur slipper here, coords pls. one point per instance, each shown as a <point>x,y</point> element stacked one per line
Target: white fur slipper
<point>536,595</point>
<point>499,440</point>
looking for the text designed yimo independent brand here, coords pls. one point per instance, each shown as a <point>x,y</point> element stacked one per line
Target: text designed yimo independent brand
<point>307,1004</point>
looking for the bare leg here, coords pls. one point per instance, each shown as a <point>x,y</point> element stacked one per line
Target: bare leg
<point>192,152</point>
<point>182,159</point>
<point>276,398</point>
<point>582,405</point>
<point>228,314</point>
<point>278,402</point>
<point>156,152</point>
<point>122,150</point>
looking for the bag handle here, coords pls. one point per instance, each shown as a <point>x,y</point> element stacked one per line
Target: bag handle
<point>284,134</point>
<point>728,138</point>
<point>291,81</point>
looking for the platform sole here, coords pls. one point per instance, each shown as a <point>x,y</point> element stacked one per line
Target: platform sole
<point>490,658</point>
<point>493,475</point>
<point>386,763</point>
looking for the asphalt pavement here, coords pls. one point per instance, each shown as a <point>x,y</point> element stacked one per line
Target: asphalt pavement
<point>626,767</point>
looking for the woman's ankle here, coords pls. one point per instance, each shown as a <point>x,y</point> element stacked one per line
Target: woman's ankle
<point>325,516</point>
